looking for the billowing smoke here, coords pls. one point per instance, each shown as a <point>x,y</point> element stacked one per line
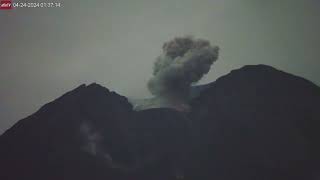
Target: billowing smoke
<point>184,61</point>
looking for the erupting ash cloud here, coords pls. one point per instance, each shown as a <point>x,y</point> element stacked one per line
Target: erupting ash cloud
<point>184,61</point>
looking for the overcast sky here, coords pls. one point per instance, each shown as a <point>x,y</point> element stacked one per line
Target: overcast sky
<point>46,52</point>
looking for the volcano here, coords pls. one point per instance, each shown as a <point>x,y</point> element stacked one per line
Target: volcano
<point>256,122</point>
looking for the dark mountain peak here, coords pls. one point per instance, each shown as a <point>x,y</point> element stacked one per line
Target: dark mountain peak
<point>91,99</point>
<point>261,123</point>
<point>254,78</point>
<point>264,73</point>
<point>257,67</point>
<point>238,77</point>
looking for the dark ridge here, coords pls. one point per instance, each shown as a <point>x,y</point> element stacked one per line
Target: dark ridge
<point>253,70</point>
<point>258,123</point>
<point>50,144</point>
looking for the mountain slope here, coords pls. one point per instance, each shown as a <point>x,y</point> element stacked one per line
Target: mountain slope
<point>51,145</point>
<point>258,123</point>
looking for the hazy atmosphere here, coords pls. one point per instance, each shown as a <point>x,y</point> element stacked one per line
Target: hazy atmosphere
<point>47,52</point>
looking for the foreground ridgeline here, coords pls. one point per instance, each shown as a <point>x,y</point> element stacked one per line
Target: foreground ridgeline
<point>254,123</point>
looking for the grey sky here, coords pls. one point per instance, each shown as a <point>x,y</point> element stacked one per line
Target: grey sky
<point>46,52</point>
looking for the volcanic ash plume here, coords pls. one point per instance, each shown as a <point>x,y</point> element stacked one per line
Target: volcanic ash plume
<point>184,61</point>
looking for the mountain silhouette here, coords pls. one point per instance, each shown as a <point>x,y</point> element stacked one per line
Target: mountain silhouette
<point>254,123</point>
